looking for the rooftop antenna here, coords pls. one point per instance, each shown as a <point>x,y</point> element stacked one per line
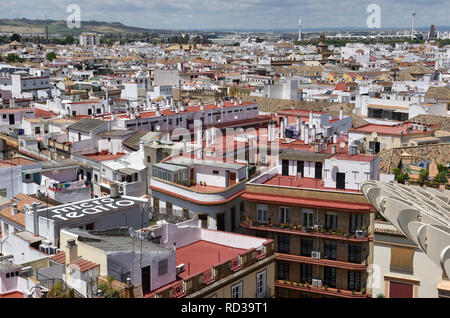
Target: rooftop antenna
<point>413,20</point>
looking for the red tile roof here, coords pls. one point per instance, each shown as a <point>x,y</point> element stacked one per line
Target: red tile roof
<point>15,294</point>
<point>200,256</point>
<point>104,157</point>
<point>84,265</point>
<point>59,257</point>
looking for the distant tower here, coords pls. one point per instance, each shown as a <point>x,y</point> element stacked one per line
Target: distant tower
<point>413,21</point>
<point>300,34</point>
<point>46,29</point>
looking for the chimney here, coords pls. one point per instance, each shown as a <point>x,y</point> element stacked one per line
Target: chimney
<point>35,218</point>
<point>317,147</point>
<point>302,130</point>
<point>282,129</point>
<point>138,112</point>
<point>115,191</point>
<point>128,111</point>
<point>333,149</point>
<point>298,124</point>
<point>310,118</point>
<point>307,140</point>
<point>313,133</point>
<point>335,138</point>
<point>236,102</point>
<point>341,113</point>
<point>132,114</point>
<point>141,146</point>
<point>14,209</point>
<point>202,106</point>
<point>240,100</point>
<point>158,111</point>
<point>71,250</point>
<point>177,110</point>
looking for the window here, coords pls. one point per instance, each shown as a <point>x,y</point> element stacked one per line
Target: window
<point>285,216</point>
<point>306,247</point>
<point>162,267</point>
<point>306,273</point>
<point>262,212</point>
<point>330,250</point>
<point>354,253</point>
<point>169,207</point>
<point>216,172</point>
<point>308,218</point>
<point>3,193</point>
<point>330,221</point>
<point>283,270</point>
<point>354,280</point>
<point>329,274</point>
<point>402,259</point>
<point>355,222</point>
<point>261,284</point>
<point>236,291</point>
<point>283,244</point>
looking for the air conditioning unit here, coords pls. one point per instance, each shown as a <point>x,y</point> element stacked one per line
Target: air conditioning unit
<point>180,269</point>
<point>317,283</point>
<point>316,227</point>
<point>360,234</point>
<point>315,254</point>
<point>46,243</point>
<point>44,249</point>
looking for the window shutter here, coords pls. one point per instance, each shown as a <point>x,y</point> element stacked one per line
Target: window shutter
<point>402,259</point>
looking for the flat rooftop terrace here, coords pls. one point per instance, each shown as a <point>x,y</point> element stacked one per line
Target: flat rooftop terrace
<point>200,256</point>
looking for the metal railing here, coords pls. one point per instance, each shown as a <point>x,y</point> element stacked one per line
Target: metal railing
<point>48,285</point>
<point>195,283</point>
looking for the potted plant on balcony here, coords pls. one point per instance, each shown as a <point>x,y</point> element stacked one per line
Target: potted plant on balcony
<point>353,292</point>
<point>325,287</point>
<point>363,291</point>
<point>308,285</point>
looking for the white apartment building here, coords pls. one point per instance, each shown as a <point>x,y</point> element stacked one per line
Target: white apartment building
<point>89,39</point>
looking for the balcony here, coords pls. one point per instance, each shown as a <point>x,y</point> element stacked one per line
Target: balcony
<point>324,290</point>
<point>199,194</point>
<point>323,262</point>
<point>193,284</point>
<point>62,146</point>
<point>299,230</point>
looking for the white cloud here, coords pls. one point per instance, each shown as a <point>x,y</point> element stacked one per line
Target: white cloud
<point>252,14</point>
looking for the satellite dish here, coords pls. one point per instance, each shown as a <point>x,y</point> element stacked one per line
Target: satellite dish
<point>158,127</point>
<point>342,145</point>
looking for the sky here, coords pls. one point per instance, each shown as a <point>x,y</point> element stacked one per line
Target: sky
<point>235,14</point>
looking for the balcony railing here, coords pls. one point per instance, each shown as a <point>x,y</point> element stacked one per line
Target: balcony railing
<point>324,290</point>
<point>362,236</point>
<point>195,283</point>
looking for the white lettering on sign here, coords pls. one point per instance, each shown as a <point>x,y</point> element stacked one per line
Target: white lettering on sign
<point>97,206</point>
<point>125,203</point>
<point>74,215</point>
<point>93,210</point>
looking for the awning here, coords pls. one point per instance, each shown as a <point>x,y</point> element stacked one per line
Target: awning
<point>307,202</point>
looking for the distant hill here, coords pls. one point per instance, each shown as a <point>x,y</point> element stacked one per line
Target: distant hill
<point>26,26</point>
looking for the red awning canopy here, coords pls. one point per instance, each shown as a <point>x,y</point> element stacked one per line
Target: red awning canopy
<point>308,202</point>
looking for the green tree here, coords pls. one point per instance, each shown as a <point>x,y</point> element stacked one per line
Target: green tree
<point>51,56</point>
<point>423,176</point>
<point>14,58</point>
<point>15,37</point>
<point>69,40</point>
